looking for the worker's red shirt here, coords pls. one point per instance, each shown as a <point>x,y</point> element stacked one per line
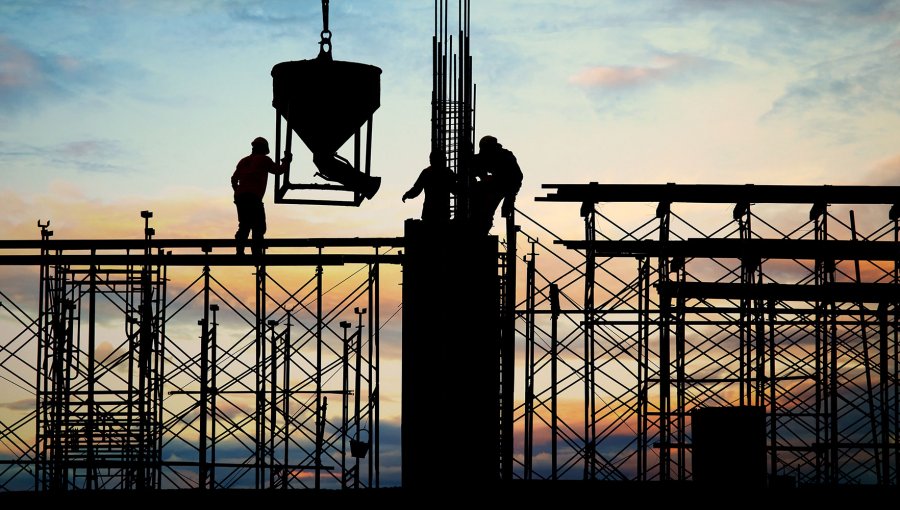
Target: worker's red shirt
<point>252,175</point>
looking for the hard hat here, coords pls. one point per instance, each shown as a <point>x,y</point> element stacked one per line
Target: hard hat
<point>260,143</point>
<point>487,142</point>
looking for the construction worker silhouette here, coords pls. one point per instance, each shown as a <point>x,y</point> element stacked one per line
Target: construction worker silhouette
<point>249,183</point>
<point>498,178</point>
<point>437,181</point>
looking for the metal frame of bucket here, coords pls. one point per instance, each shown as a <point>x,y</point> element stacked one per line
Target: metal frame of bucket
<point>283,182</point>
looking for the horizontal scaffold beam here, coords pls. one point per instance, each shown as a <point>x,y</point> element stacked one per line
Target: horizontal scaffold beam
<point>139,259</point>
<point>840,292</point>
<point>798,249</point>
<point>200,244</point>
<point>721,193</point>
<point>133,252</point>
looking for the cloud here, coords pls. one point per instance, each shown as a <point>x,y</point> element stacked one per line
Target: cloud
<point>660,68</point>
<point>879,9</point>
<point>851,86</point>
<point>18,68</point>
<point>885,172</point>
<point>19,405</point>
<point>83,155</point>
<point>28,78</point>
<point>259,14</point>
<point>369,31</point>
<point>18,285</point>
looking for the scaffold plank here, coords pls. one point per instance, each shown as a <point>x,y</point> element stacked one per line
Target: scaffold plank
<point>279,259</point>
<point>801,249</point>
<point>845,292</point>
<point>721,193</point>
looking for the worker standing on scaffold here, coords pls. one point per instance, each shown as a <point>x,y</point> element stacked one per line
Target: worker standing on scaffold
<point>437,181</point>
<point>249,183</point>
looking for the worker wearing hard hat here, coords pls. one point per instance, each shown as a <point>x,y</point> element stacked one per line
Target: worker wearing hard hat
<point>499,178</point>
<point>249,183</point>
<point>437,181</point>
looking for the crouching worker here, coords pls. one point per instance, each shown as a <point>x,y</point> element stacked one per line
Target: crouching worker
<point>499,179</point>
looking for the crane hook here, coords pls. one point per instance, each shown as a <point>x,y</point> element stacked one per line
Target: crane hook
<point>325,42</point>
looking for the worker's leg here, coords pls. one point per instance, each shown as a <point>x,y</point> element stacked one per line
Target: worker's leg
<point>259,228</point>
<point>491,200</point>
<point>509,205</point>
<point>244,213</point>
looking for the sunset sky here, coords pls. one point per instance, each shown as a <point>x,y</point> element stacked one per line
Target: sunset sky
<point>108,108</point>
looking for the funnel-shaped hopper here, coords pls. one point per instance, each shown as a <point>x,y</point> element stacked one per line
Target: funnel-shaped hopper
<point>327,101</point>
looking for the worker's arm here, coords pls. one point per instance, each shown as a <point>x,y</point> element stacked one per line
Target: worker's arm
<point>515,173</point>
<point>417,187</point>
<point>515,184</point>
<point>477,166</point>
<point>234,180</point>
<point>284,166</point>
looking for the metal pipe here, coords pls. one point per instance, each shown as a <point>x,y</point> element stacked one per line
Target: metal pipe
<point>528,417</point>
<point>554,377</point>
<point>870,398</point>
<point>589,404</point>
<point>358,386</point>
<point>773,403</point>
<point>319,417</point>
<point>213,394</point>
<point>90,429</point>
<point>642,368</point>
<point>204,385</point>
<point>273,403</point>
<point>259,368</point>
<point>370,404</point>
<point>680,407</point>
<point>345,365</point>
<point>663,213</point>
<point>374,427</point>
<point>884,463</point>
<point>286,403</point>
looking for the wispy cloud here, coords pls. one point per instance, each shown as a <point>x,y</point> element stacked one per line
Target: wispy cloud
<point>21,74</point>
<point>838,96</point>
<point>660,68</point>
<point>82,155</point>
<point>885,173</point>
<point>28,78</point>
<point>860,8</point>
<point>856,83</point>
<point>19,69</point>
<point>260,14</point>
<point>19,405</point>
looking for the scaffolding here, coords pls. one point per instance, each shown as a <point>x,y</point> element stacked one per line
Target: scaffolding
<point>163,364</point>
<point>154,364</point>
<point>625,333</point>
